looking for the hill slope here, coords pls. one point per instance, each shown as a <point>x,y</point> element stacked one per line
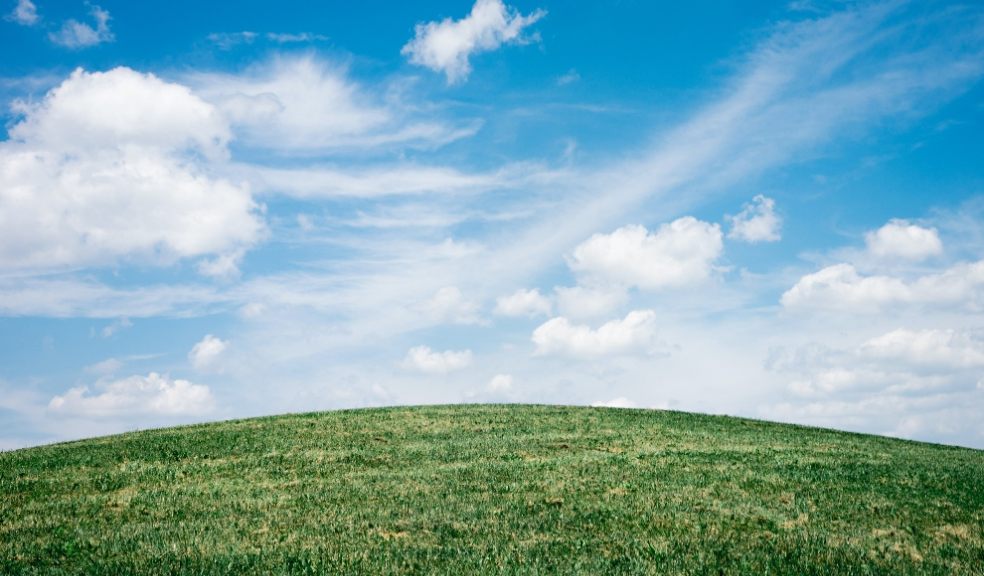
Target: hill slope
<point>492,489</point>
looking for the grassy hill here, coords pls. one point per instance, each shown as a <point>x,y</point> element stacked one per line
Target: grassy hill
<point>492,489</point>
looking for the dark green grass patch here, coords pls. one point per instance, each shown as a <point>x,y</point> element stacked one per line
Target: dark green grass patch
<point>492,489</point>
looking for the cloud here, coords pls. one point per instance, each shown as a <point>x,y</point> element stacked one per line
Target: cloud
<point>500,383</point>
<point>636,333</point>
<point>570,77</point>
<point>206,352</point>
<point>584,302</point>
<point>423,359</point>
<point>940,348</point>
<point>757,222</point>
<point>116,326</point>
<point>522,302</point>
<point>900,240</point>
<point>151,395</point>
<point>24,13</point>
<point>74,34</point>
<point>677,254</point>
<point>840,287</point>
<point>449,305</point>
<point>620,402</point>
<point>229,40</point>
<point>109,166</point>
<point>446,46</point>
<point>105,367</point>
<point>305,105</point>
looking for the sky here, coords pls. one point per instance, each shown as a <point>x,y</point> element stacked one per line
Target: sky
<point>220,210</point>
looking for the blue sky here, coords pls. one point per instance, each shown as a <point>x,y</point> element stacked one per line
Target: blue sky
<point>767,209</point>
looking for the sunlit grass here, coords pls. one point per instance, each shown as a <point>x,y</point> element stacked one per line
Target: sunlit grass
<point>492,489</point>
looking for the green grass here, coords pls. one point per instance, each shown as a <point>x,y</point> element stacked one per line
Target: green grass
<point>492,489</point>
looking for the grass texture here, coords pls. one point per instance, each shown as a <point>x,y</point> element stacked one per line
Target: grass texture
<point>492,490</point>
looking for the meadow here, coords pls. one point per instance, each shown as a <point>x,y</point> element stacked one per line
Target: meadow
<point>492,489</point>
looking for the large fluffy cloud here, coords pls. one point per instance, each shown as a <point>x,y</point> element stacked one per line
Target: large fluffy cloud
<point>679,253</point>
<point>446,46</point>
<point>636,333</point>
<point>151,395</point>
<point>900,240</point>
<point>107,166</point>
<point>841,287</point>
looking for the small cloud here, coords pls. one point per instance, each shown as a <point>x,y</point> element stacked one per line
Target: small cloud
<point>74,34</point>
<point>620,402</point>
<point>446,46</point>
<point>25,13</point>
<point>104,368</point>
<point>569,78</point>
<point>448,305</point>
<point>153,394</point>
<point>757,222</point>
<point>229,40</point>
<point>900,240</point>
<point>500,383</point>
<point>286,38</point>
<point>423,359</point>
<point>116,326</point>
<point>528,303</point>
<point>204,354</point>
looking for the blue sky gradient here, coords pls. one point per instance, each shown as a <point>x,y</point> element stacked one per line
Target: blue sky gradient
<point>766,209</point>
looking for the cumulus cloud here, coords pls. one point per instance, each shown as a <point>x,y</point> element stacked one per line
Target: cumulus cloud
<point>636,333</point>
<point>900,240</point>
<point>151,395</point>
<point>206,352</point>
<point>108,166</point>
<point>757,222</point>
<point>446,46</point>
<point>677,254</point>
<point>841,287</point>
<point>423,359</point>
<point>522,302</point>
<point>24,13</point>
<point>74,34</point>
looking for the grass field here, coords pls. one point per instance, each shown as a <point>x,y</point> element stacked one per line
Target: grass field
<point>492,489</point>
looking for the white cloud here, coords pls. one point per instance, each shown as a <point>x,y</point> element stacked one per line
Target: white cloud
<point>634,334</point>
<point>135,396</point>
<point>522,302</point>
<point>446,46</point>
<point>24,13</point>
<point>757,222</point>
<point>74,34</point>
<point>500,383</point>
<point>587,302</point>
<point>105,367</point>
<point>307,105</point>
<point>206,352</point>
<point>620,402</point>
<point>677,254</point>
<point>841,287</point>
<point>901,240</point>
<point>423,359</point>
<point>942,348</point>
<point>116,326</point>
<point>108,166</point>
<point>449,305</point>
